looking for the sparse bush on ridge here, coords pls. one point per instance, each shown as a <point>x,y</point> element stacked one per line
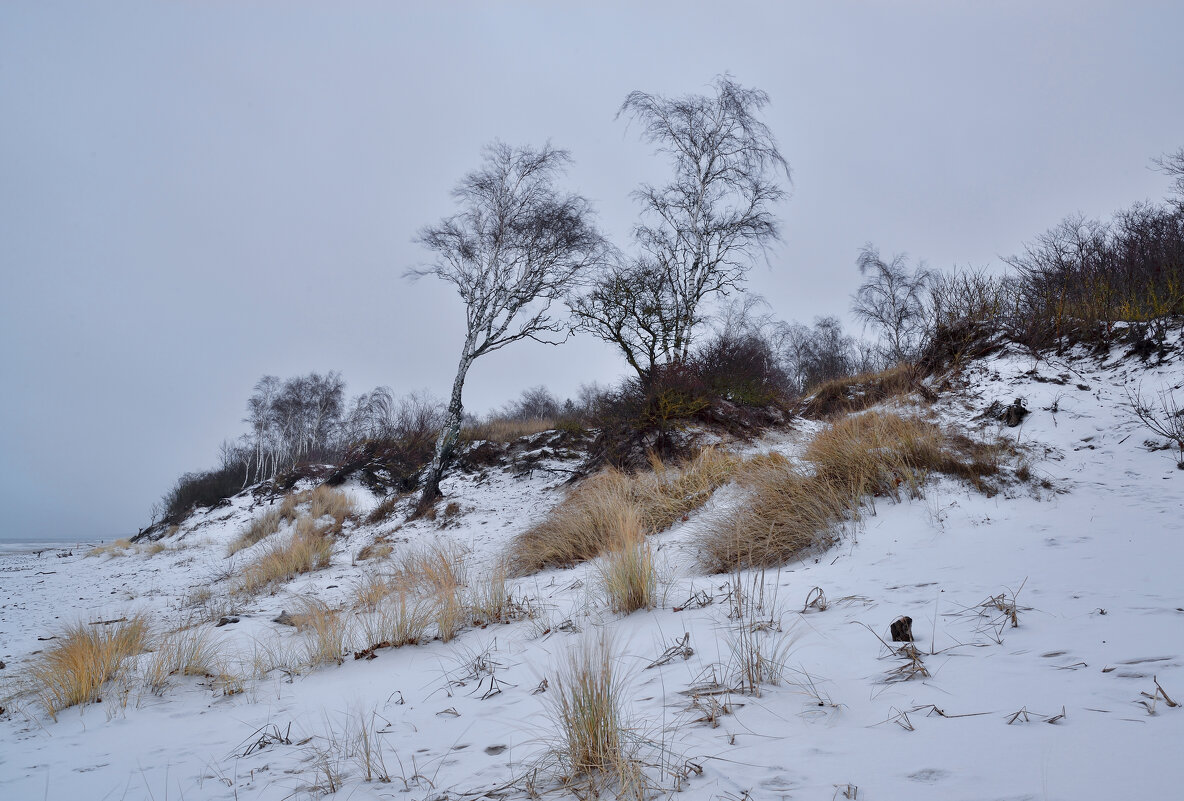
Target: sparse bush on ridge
<point>588,521</point>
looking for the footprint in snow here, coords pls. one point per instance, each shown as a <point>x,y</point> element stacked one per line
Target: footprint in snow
<point>929,775</point>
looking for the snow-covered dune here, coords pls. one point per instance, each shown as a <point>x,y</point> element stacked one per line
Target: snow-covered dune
<point>1049,625</point>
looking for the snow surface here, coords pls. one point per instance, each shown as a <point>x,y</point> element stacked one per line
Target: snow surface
<point>1056,708</point>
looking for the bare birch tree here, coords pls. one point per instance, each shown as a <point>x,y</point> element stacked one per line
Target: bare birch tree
<point>512,251</point>
<point>699,233</point>
<point>892,299</point>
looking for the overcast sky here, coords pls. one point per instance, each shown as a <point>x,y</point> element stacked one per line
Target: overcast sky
<point>193,195</point>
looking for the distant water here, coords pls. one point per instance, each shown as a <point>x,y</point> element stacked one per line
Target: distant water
<point>8,546</point>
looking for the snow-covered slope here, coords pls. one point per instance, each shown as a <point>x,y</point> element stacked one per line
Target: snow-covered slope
<point>1063,705</point>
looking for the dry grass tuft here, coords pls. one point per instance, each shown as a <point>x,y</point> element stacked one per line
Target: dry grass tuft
<point>491,598</point>
<point>856,393</point>
<point>84,658</point>
<point>398,619</point>
<point>117,548</point>
<point>309,548</point>
<point>439,566</point>
<point>586,707</point>
<point>259,529</point>
<point>386,509</point>
<point>792,509</point>
<point>324,629</point>
<point>627,571</point>
<point>189,652</point>
<point>302,508</point>
<point>587,522</point>
<point>325,501</point>
<point>437,571</point>
<point>505,430</point>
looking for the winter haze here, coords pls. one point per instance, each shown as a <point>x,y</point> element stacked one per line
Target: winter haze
<point>193,195</point>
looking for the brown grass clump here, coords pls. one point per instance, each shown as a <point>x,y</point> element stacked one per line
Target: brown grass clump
<point>791,509</point>
<point>491,598</point>
<point>858,392</point>
<point>437,571</point>
<point>325,501</point>
<point>384,510</point>
<point>876,453</point>
<point>322,501</point>
<point>259,529</point>
<point>505,430</point>
<point>324,629</point>
<point>399,619</point>
<point>189,652</point>
<point>593,742</point>
<point>627,572</point>
<point>83,659</point>
<point>587,522</point>
<point>116,548</point>
<point>309,548</point>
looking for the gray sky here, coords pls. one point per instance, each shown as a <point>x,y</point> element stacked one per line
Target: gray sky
<point>195,194</point>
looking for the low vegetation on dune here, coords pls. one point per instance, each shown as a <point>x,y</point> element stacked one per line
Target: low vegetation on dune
<point>599,513</point>
<point>792,507</point>
<point>83,658</point>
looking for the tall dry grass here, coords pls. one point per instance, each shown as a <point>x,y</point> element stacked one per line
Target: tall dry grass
<point>260,528</point>
<point>83,658</point>
<point>858,392</point>
<point>324,629</point>
<point>312,505</point>
<point>627,571</point>
<point>398,619</point>
<point>790,509</point>
<point>588,521</point>
<point>586,708</point>
<point>502,429</point>
<point>188,652</point>
<point>308,548</point>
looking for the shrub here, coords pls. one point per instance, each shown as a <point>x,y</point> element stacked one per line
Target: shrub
<point>207,488</point>
<point>84,658</point>
<point>742,367</point>
<point>1082,275</point>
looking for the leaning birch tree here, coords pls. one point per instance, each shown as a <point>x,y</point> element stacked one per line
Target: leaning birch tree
<point>513,250</point>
